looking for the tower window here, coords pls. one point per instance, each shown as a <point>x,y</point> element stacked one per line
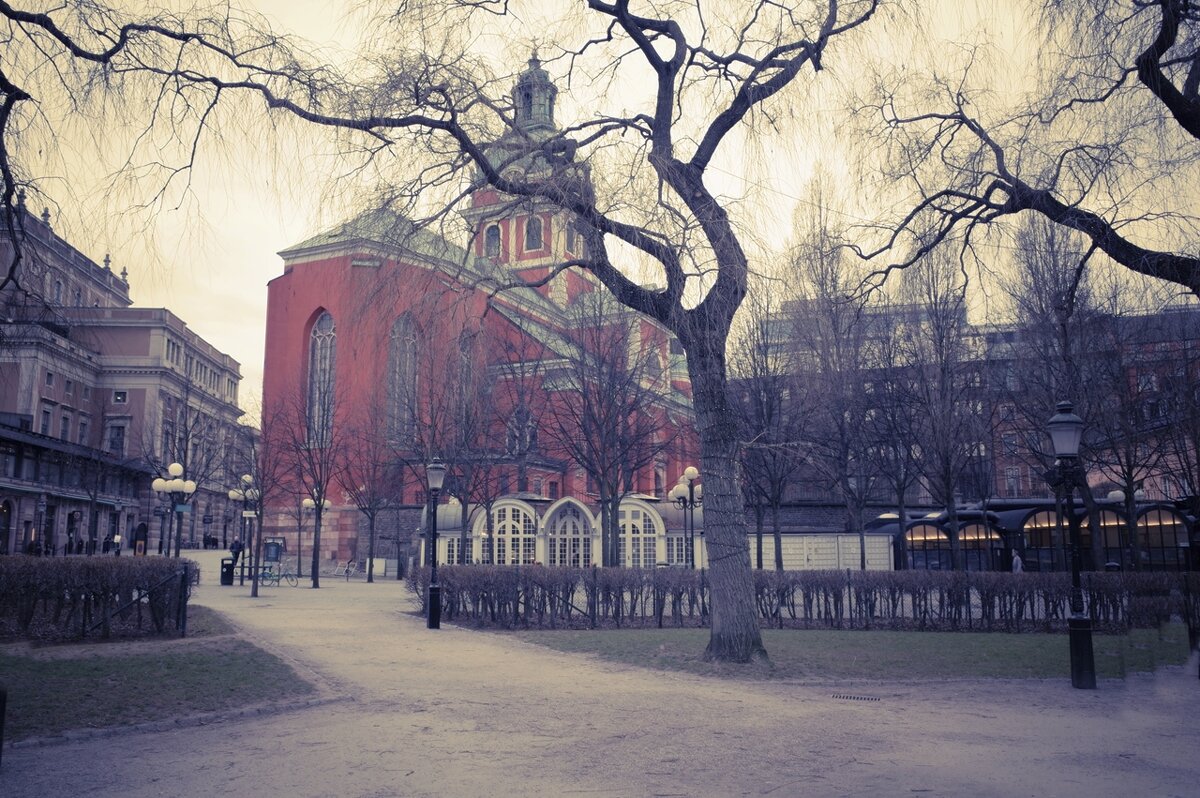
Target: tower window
<point>533,234</point>
<point>491,241</point>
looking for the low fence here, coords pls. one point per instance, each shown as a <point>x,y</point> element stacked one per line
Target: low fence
<point>62,598</point>
<point>540,597</point>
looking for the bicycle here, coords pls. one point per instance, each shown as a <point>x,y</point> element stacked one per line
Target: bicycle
<point>271,576</point>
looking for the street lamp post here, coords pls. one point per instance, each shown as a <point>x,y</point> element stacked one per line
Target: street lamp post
<point>179,490</point>
<point>309,507</point>
<point>1066,430</point>
<point>117,537</point>
<point>688,495</point>
<point>246,494</point>
<point>435,473</point>
<point>38,532</point>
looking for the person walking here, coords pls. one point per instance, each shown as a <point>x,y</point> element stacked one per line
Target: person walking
<point>1017,565</point>
<point>235,548</point>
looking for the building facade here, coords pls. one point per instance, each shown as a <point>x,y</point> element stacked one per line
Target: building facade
<point>97,397</point>
<point>388,345</point>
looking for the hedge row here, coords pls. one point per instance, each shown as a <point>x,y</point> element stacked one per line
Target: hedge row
<point>59,598</point>
<point>536,596</point>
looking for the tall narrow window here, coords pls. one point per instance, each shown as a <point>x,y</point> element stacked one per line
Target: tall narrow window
<point>116,440</point>
<point>491,241</point>
<point>402,376</point>
<point>533,233</point>
<point>322,354</point>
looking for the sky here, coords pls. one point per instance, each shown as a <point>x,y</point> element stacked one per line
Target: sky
<point>208,259</point>
<point>208,252</point>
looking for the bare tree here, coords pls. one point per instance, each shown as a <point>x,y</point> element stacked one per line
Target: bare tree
<point>369,473</point>
<point>426,95</point>
<point>947,390</point>
<point>771,416</point>
<point>607,416</point>
<point>1105,145</point>
<point>310,433</point>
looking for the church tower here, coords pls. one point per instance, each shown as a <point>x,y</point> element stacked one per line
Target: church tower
<point>533,100</point>
<point>519,234</point>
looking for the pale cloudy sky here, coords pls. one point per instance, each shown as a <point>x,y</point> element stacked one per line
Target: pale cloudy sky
<point>209,256</point>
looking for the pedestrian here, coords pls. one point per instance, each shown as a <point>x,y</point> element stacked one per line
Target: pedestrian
<point>107,544</point>
<point>1017,565</point>
<point>235,548</point>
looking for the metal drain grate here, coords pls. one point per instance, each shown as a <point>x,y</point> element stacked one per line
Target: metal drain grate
<point>842,697</point>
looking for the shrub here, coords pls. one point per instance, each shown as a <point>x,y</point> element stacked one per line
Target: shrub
<point>536,596</point>
<point>58,598</point>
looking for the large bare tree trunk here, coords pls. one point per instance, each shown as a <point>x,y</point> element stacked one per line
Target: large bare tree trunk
<point>734,635</point>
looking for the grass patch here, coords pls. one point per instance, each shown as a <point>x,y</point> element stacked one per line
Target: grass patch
<point>831,654</point>
<point>66,687</point>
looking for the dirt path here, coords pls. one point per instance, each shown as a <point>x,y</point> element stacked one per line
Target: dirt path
<point>457,712</point>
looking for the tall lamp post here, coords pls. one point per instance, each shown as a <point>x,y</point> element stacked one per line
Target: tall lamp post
<point>179,491</point>
<point>688,495</point>
<point>435,473</point>
<point>1066,430</point>
<point>246,494</point>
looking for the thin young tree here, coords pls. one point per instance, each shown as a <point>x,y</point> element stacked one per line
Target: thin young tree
<point>771,416</point>
<point>368,473</point>
<point>607,416</point>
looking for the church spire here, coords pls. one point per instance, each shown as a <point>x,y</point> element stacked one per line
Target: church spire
<point>533,98</point>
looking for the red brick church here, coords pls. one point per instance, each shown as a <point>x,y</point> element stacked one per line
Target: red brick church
<point>389,344</point>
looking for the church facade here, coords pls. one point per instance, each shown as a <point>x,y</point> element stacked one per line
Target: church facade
<point>390,344</point>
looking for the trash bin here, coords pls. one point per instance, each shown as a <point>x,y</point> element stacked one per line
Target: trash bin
<point>227,570</point>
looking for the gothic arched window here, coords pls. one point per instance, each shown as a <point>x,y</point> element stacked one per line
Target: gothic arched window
<point>533,233</point>
<point>402,376</point>
<point>322,354</point>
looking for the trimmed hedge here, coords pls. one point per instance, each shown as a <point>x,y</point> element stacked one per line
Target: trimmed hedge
<point>536,596</point>
<point>61,598</point>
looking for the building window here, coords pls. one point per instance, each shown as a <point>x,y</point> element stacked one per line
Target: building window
<point>83,432</point>
<point>87,393</point>
<point>638,539</point>
<point>64,429</point>
<point>521,435</point>
<point>322,355</point>
<point>569,542</point>
<point>402,376</point>
<point>69,387</point>
<point>491,241</point>
<point>49,379</point>
<point>1012,481</point>
<point>533,233</point>
<point>516,536</point>
<point>116,440</point>
<point>552,489</point>
<point>58,292</point>
<point>120,397</point>
<point>45,427</point>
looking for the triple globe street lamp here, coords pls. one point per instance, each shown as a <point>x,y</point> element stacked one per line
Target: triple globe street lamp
<point>247,494</point>
<point>1067,474</point>
<point>688,495</point>
<point>179,491</point>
